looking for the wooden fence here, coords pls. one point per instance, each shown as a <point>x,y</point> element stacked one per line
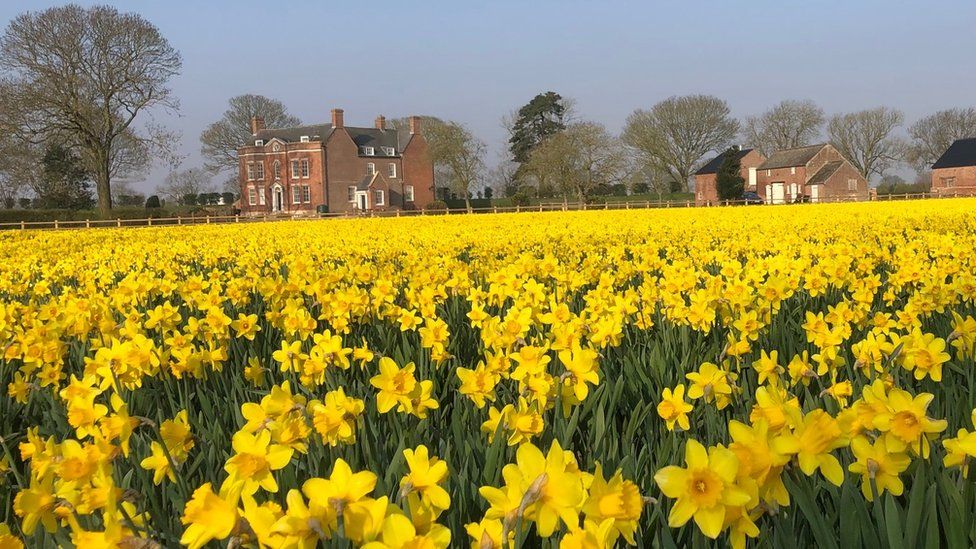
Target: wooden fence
<point>542,207</point>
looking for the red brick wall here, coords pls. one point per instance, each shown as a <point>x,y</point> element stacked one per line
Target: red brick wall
<point>419,172</point>
<point>346,168</point>
<point>312,151</point>
<point>706,191</point>
<point>837,186</point>
<point>964,184</point>
<point>788,176</point>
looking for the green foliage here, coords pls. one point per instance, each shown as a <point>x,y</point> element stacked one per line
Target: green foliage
<point>64,181</point>
<point>729,182</point>
<point>538,119</point>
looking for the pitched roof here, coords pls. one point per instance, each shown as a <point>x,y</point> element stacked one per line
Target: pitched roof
<point>962,152</point>
<point>366,181</point>
<point>363,137</point>
<point>824,173</point>
<point>790,158</point>
<point>713,165</point>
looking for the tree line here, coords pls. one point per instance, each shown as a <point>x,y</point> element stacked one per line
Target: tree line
<point>81,89</point>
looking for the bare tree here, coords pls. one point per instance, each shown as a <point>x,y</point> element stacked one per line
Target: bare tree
<point>676,133</point>
<point>932,135</point>
<point>220,140</point>
<point>181,184</point>
<point>578,159</point>
<point>866,139</point>
<point>459,155</point>
<point>790,124</point>
<point>85,75</point>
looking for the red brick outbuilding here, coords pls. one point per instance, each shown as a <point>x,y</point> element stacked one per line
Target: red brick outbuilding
<point>954,173</point>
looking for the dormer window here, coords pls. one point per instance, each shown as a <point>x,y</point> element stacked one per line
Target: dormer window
<point>389,151</point>
<point>259,143</point>
<point>368,151</point>
<point>303,139</point>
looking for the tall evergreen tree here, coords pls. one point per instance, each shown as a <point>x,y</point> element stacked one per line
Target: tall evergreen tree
<point>729,182</point>
<point>538,119</point>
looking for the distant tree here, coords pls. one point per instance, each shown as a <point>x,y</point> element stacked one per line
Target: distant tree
<point>184,186</point>
<point>24,203</point>
<point>460,156</point>
<point>676,133</point>
<point>932,135</point>
<point>540,118</point>
<point>153,202</point>
<point>729,182</point>
<point>867,140</point>
<point>82,77</point>
<point>431,128</point>
<point>640,187</point>
<point>228,198</point>
<point>789,124</point>
<point>124,195</point>
<point>578,160</point>
<point>64,184</point>
<point>220,140</point>
<point>489,193</point>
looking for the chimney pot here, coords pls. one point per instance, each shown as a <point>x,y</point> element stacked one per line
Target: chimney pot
<point>414,124</point>
<point>381,122</point>
<point>337,119</point>
<point>257,124</point>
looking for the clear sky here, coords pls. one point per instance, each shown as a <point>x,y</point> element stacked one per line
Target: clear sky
<point>476,61</point>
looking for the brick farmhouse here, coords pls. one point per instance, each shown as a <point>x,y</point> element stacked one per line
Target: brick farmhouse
<point>706,192</point>
<point>336,167</point>
<point>954,173</point>
<point>816,173</point>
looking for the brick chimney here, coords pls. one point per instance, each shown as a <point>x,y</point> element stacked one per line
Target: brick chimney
<point>337,120</point>
<point>414,124</point>
<point>257,124</point>
<point>381,122</point>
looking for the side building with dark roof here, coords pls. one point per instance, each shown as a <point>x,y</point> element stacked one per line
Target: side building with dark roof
<point>817,173</point>
<point>706,191</point>
<point>954,173</point>
<point>341,168</point>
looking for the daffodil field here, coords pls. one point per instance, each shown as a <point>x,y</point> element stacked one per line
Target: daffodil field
<point>795,376</point>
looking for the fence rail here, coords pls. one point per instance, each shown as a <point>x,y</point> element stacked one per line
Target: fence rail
<point>541,207</point>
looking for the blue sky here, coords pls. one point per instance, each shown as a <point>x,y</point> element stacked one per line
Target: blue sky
<point>475,62</point>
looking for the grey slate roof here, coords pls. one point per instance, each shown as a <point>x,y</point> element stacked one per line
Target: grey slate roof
<point>791,158</point>
<point>363,137</point>
<point>365,182</point>
<point>824,173</point>
<point>713,165</point>
<point>961,153</point>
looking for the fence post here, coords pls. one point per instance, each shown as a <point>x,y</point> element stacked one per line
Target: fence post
<point>237,219</point>
<point>149,221</point>
<point>22,225</point>
<point>88,224</point>
<point>494,209</point>
<point>518,208</point>
<point>208,220</point>
<point>540,207</point>
<point>55,223</point>
<point>118,222</point>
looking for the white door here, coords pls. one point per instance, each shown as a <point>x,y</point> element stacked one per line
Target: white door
<point>361,197</point>
<point>814,193</point>
<point>278,199</point>
<point>752,179</point>
<point>779,193</point>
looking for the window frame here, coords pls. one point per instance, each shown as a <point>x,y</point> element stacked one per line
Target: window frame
<point>250,171</point>
<point>304,167</point>
<point>262,201</point>
<point>306,194</point>
<point>370,168</point>
<point>303,139</point>
<point>259,170</point>
<point>408,193</point>
<point>351,193</point>
<point>276,169</point>
<point>391,170</point>
<point>252,196</point>
<point>949,182</point>
<point>852,185</point>
<point>379,197</point>
<point>368,151</point>
<point>296,194</point>
<point>294,169</point>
